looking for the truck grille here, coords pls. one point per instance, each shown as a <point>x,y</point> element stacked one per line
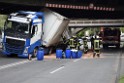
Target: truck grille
<point>14,46</point>
<point>110,39</point>
<point>14,42</point>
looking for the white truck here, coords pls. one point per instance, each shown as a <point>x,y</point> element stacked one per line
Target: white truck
<point>25,31</point>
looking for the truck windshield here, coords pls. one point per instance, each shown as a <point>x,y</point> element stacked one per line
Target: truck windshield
<point>110,32</point>
<point>20,29</point>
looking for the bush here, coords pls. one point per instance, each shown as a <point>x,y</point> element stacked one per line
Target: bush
<point>122,29</point>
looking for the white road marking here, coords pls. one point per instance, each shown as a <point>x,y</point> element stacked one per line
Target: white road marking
<point>76,60</point>
<point>15,64</point>
<point>57,69</point>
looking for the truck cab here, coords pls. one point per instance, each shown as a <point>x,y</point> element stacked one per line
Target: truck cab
<point>110,37</point>
<point>22,33</point>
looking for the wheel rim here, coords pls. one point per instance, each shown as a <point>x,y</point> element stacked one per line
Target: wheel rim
<point>29,56</point>
<point>35,53</point>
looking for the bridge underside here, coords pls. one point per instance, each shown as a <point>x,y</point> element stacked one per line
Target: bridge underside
<point>6,8</point>
<point>89,14</point>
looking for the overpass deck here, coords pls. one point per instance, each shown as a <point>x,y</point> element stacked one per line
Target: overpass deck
<point>94,23</point>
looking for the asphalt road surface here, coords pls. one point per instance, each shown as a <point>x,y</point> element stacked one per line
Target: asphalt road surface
<point>97,70</point>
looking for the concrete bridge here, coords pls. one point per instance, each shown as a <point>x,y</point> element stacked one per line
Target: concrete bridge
<point>105,9</point>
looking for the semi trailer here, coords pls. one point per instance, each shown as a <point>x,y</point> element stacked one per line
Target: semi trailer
<point>26,31</point>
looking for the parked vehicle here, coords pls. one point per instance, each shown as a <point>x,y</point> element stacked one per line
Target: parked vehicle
<point>110,37</point>
<point>26,31</point>
<point>122,37</point>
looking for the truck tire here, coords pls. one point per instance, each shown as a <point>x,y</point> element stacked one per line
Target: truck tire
<point>29,57</point>
<point>105,46</point>
<point>118,46</point>
<point>35,52</point>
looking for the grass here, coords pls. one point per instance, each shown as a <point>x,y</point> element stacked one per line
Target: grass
<point>121,80</point>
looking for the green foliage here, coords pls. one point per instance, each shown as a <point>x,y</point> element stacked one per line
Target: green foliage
<point>80,34</point>
<point>121,80</point>
<point>2,20</point>
<point>122,29</point>
<point>91,30</point>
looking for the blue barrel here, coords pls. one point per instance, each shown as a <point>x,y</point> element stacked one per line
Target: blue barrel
<point>40,54</point>
<point>74,54</point>
<point>58,53</point>
<point>68,53</point>
<point>79,54</point>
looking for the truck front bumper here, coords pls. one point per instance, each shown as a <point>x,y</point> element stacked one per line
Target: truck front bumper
<point>24,55</point>
<point>110,42</point>
<point>8,51</point>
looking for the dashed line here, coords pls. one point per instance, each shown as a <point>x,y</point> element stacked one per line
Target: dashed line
<point>58,69</point>
<point>15,64</point>
<point>76,60</point>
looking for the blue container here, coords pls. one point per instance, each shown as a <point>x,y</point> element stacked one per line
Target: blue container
<point>58,53</point>
<point>40,54</point>
<point>68,53</point>
<point>79,54</point>
<point>74,54</point>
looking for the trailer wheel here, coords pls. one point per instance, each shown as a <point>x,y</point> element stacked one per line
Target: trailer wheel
<point>50,51</point>
<point>35,52</point>
<point>46,50</point>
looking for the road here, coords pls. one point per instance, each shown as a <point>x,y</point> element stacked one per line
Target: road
<point>97,70</point>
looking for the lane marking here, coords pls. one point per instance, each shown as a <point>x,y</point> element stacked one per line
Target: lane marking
<point>58,69</point>
<point>16,64</point>
<point>76,60</point>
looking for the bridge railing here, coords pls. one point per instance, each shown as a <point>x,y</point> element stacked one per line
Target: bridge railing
<point>118,22</point>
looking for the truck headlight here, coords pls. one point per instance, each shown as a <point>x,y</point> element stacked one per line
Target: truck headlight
<point>26,50</point>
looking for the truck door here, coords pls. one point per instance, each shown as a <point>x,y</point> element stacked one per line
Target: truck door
<point>35,35</point>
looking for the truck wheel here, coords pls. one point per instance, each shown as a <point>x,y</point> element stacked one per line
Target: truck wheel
<point>104,46</point>
<point>35,52</point>
<point>29,57</point>
<point>8,55</point>
<point>118,46</point>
